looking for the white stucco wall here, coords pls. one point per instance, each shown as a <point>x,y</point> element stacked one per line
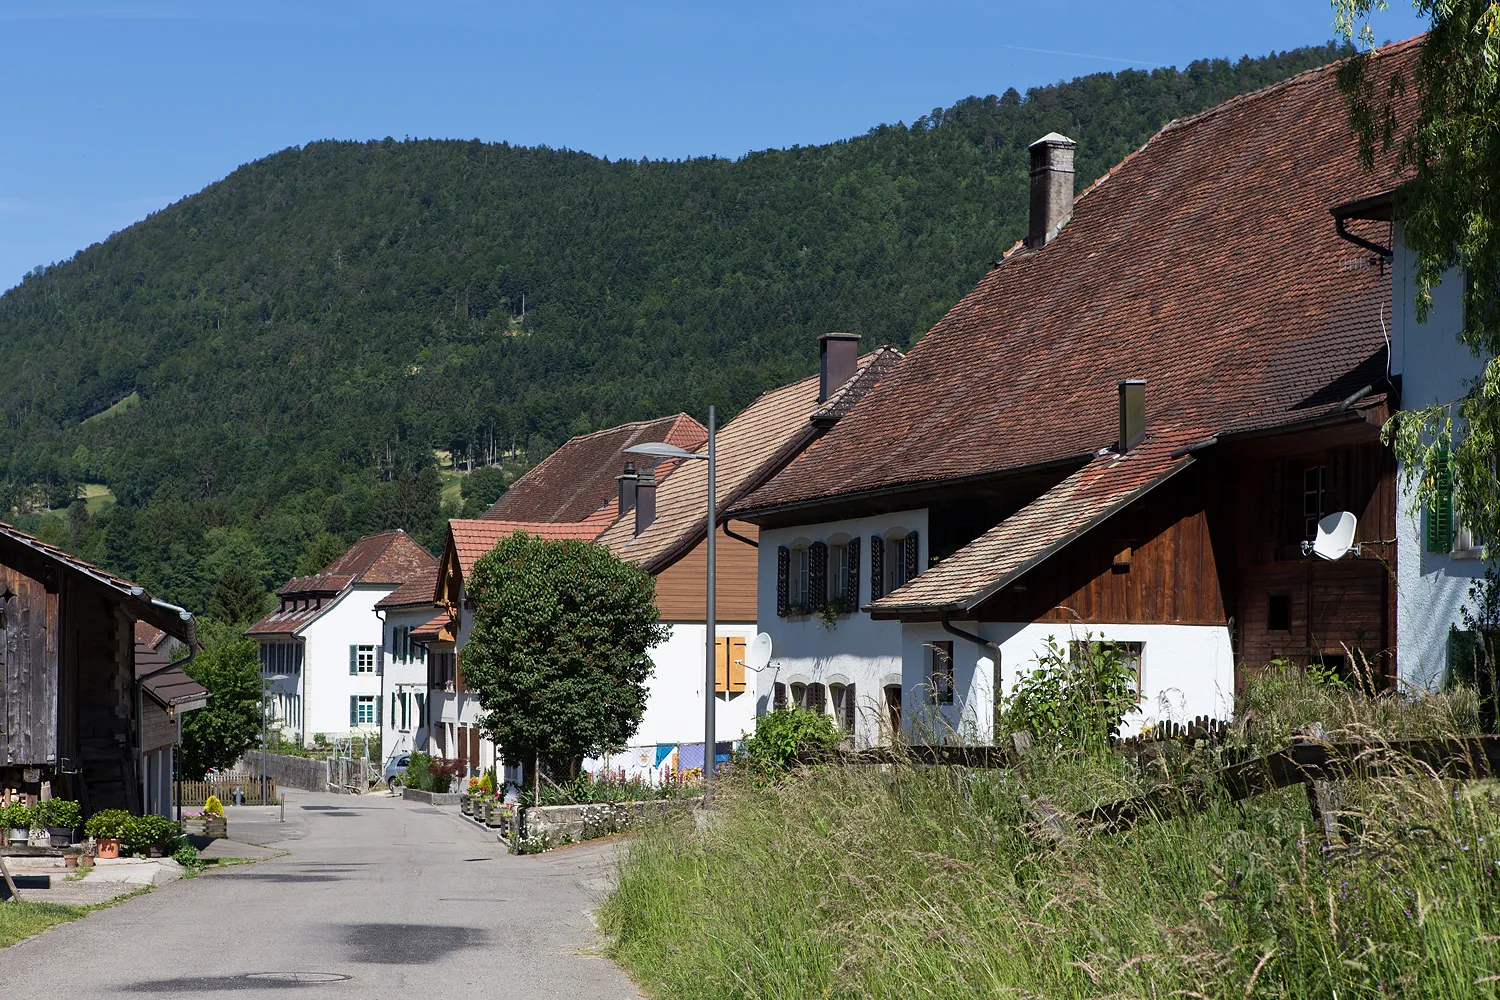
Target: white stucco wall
<point>403,676</point>
<point>858,649</point>
<point>327,684</point>
<point>1431,587</point>
<point>1186,671</point>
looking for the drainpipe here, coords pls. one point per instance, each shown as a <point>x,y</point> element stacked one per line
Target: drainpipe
<point>989,648</point>
<point>737,537</point>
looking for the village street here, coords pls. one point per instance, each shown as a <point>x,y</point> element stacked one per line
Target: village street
<point>384,897</point>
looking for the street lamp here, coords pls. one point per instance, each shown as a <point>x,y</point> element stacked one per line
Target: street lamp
<point>266,680</point>
<point>660,449</point>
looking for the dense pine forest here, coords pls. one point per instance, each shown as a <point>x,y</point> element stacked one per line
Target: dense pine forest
<point>261,372</point>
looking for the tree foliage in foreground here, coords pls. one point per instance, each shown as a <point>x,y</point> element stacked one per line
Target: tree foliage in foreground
<point>559,652</point>
<point>1449,149</point>
<point>218,734</point>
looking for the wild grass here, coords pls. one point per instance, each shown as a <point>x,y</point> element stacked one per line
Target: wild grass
<point>934,882</point>
<point>19,920</point>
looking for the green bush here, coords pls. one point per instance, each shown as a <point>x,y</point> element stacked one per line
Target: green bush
<point>107,824</point>
<point>141,832</point>
<point>783,734</point>
<point>17,816</point>
<point>60,813</point>
<point>186,855</point>
<point>426,773</point>
<point>1074,701</point>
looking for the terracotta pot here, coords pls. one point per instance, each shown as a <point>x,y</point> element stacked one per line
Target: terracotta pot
<point>70,860</point>
<point>107,847</point>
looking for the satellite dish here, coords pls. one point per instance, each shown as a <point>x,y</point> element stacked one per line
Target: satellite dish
<point>1335,536</point>
<point>759,654</point>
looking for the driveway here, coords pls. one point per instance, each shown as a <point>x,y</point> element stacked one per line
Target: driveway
<point>378,898</point>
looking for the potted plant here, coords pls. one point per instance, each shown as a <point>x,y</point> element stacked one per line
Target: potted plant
<point>210,822</point>
<point>148,836</point>
<point>61,818</point>
<point>107,826</point>
<point>16,818</point>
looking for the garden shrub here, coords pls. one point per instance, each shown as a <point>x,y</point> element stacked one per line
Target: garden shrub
<point>107,824</point>
<point>783,734</point>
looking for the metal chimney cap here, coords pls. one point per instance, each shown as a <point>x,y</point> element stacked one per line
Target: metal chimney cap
<point>1053,139</point>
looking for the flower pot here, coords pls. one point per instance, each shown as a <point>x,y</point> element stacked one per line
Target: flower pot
<point>467,805</point>
<point>61,836</point>
<point>495,816</point>
<point>155,851</point>
<point>107,847</point>
<point>70,860</point>
<point>18,835</point>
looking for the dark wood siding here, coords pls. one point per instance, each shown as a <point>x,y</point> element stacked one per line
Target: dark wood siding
<point>28,671</point>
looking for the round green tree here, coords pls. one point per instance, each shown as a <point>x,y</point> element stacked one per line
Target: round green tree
<point>559,648</point>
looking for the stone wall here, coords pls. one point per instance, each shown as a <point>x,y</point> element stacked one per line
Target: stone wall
<point>558,825</point>
<point>289,772</point>
<point>431,798</point>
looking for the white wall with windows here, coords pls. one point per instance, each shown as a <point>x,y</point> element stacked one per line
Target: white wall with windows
<point>1437,558</point>
<point>454,716</point>
<point>817,658</point>
<point>281,674</point>
<point>1184,671</point>
<point>404,684</point>
<point>343,660</point>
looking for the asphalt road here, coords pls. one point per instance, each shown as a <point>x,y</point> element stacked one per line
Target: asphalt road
<point>378,898</point>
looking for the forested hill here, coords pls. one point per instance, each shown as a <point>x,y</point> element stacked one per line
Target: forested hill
<point>293,342</point>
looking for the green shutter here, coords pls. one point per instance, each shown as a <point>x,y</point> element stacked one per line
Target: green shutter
<point>1440,512</point>
<point>353,660</point>
<point>379,708</point>
<point>354,710</point>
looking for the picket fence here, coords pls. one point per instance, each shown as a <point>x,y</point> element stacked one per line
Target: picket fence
<point>195,793</point>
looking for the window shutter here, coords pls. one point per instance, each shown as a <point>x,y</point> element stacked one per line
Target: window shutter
<point>849,709</point>
<point>1440,513</point>
<point>474,745</point>
<point>911,556</point>
<point>353,660</point>
<point>851,578</point>
<point>736,665</point>
<point>780,696</point>
<point>379,708</point>
<point>817,698</point>
<point>354,709</point>
<point>877,567</point>
<point>721,664</point>
<point>380,661</point>
<point>783,574</point>
<point>817,574</point>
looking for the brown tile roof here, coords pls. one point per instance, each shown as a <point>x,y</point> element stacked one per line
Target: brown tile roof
<point>1206,262</point>
<point>17,547</point>
<point>751,448</point>
<point>1039,530</point>
<point>474,537</point>
<point>391,558</point>
<point>434,627</point>
<point>419,590</point>
<point>168,686</point>
<point>578,479</point>
<point>148,635</point>
<point>284,622</point>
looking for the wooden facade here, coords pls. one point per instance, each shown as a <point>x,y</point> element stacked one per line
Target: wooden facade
<point>682,586</point>
<point>28,670</point>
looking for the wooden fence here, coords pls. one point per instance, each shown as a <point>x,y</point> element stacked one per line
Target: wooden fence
<point>195,793</point>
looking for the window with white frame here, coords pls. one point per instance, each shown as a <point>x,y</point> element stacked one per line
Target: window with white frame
<point>838,573</point>
<point>365,659</point>
<point>365,710</point>
<point>895,563</point>
<point>797,579</point>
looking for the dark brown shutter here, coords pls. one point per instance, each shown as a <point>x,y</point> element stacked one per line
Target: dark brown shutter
<point>911,556</point>
<point>817,574</point>
<point>780,696</point>
<point>817,698</point>
<point>851,578</point>
<point>783,574</point>
<point>849,709</point>
<point>877,567</point>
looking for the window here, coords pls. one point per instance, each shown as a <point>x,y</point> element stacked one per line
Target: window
<point>940,672</point>
<point>1312,500</point>
<point>843,706</point>
<point>838,574</point>
<point>1279,612</point>
<point>893,710</point>
<point>421,712</point>
<point>895,563</point>
<point>799,695</point>
<point>365,659</point>
<point>1131,655</point>
<point>797,580</point>
<point>365,710</point>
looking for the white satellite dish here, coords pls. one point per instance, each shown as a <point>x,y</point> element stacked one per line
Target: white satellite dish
<point>758,656</point>
<point>1336,536</point>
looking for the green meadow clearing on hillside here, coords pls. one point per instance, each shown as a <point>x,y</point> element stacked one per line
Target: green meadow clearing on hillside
<point>934,882</point>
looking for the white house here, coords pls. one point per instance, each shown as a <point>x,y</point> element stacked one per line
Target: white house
<point>403,612</point>
<point>322,650</point>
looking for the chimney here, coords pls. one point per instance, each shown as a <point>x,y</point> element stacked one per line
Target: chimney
<point>838,356</point>
<point>645,499</point>
<point>627,483</point>
<point>1132,413</point>
<point>1051,187</point>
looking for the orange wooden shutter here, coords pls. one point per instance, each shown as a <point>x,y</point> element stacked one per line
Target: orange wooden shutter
<point>736,665</point>
<point>721,664</point>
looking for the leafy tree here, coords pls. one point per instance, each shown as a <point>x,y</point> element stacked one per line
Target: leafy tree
<point>1441,123</point>
<point>559,649</point>
<point>481,488</point>
<point>229,666</point>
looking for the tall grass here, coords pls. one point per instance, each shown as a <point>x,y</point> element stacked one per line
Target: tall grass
<point>933,882</point>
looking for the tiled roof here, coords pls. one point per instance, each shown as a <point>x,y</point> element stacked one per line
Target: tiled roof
<point>168,686</point>
<point>751,448</point>
<point>1040,529</point>
<point>148,635</point>
<point>318,583</point>
<point>578,479</point>
<point>138,603</point>
<point>475,537</point>
<point>419,590</point>
<point>391,558</point>
<point>284,622</point>
<point>433,628</point>
<point>1206,263</point>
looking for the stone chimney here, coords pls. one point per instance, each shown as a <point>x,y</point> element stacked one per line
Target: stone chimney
<point>838,355</point>
<point>1132,413</point>
<point>627,481</point>
<point>645,499</point>
<point>1051,187</point>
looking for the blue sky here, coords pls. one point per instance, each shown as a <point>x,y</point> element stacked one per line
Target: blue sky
<point>113,110</point>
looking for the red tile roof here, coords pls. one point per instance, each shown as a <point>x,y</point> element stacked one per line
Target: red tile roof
<point>434,627</point>
<point>1206,263</point>
<point>1039,530</point>
<point>474,538</point>
<point>419,590</point>
<point>578,479</point>
<point>391,558</point>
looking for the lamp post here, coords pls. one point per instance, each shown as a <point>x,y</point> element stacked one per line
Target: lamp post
<point>266,680</point>
<point>661,449</point>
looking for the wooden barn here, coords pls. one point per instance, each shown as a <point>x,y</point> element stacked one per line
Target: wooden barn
<point>70,702</point>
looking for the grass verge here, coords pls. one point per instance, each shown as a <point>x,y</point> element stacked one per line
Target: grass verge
<point>936,882</point>
<point>19,920</point>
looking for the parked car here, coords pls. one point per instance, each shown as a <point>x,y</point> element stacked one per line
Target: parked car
<point>395,770</point>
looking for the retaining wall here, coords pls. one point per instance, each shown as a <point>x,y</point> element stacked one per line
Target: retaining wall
<point>565,824</point>
<point>289,772</point>
<point>431,798</point>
